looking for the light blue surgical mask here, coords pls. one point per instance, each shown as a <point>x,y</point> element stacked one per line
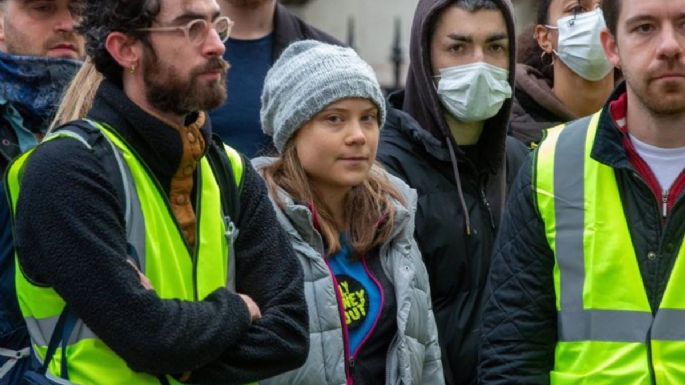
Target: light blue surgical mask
<point>473,92</point>
<point>579,45</point>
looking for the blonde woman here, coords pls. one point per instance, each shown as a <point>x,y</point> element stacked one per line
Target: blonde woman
<point>350,223</point>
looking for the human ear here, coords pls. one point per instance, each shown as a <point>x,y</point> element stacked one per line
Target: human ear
<point>124,50</point>
<point>542,35</point>
<point>610,46</point>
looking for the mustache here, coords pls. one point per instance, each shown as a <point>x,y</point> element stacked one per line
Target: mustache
<point>62,38</point>
<point>215,63</point>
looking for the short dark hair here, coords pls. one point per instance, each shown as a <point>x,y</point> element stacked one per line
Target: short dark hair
<point>100,18</point>
<point>467,5</point>
<point>611,9</point>
<point>476,5</point>
<point>543,12</point>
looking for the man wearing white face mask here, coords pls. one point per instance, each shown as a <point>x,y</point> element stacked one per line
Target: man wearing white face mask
<point>565,75</point>
<point>446,137</point>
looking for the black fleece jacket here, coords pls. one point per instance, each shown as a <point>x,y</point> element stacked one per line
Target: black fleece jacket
<point>70,235</point>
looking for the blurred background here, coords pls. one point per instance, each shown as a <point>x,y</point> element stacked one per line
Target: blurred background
<point>379,29</point>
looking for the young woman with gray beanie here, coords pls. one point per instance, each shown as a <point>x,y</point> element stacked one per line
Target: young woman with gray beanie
<point>350,223</point>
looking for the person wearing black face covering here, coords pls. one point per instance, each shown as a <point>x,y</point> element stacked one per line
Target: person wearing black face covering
<point>446,137</point>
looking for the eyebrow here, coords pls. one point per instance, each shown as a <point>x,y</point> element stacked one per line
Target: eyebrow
<point>639,18</point>
<point>188,16</point>
<point>469,39</point>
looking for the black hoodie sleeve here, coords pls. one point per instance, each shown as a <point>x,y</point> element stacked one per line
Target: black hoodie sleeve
<point>268,271</point>
<point>70,235</point>
<point>519,331</point>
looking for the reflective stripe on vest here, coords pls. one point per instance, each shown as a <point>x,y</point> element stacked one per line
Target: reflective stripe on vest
<point>164,257</point>
<point>606,331</point>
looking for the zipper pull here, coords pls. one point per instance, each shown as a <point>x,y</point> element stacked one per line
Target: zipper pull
<point>484,198</point>
<point>664,204</point>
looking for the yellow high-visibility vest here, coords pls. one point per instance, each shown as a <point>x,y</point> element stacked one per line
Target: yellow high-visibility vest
<point>606,331</point>
<point>162,253</point>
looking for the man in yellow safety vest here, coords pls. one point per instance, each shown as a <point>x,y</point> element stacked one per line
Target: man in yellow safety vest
<point>588,276</point>
<point>148,251</point>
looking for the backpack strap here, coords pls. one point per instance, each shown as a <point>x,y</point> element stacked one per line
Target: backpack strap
<point>229,183</point>
<point>95,140</point>
<point>230,187</point>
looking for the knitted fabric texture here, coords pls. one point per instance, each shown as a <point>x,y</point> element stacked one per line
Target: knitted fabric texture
<point>308,77</point>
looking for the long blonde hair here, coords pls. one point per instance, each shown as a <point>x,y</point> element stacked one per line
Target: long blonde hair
<point>78,97</point>
<point>368,207</point>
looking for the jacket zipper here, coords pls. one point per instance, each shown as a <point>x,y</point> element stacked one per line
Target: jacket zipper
<point>349,364</point>
<point>661,215</point>
<point>486,203</point>
<point>378,316</point>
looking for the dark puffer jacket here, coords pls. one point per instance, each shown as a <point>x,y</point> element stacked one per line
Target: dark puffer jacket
<point>459,188</point>
<point>520,317</point>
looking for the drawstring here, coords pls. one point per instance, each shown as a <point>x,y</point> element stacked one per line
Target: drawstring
<point>455,169</point>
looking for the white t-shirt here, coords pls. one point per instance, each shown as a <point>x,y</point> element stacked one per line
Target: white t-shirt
<point>666,163</point>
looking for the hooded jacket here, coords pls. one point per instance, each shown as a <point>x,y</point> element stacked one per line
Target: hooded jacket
<point>461,192</point>
<point>535,107</point>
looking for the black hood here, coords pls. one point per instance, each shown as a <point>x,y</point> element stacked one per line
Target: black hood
<point>421,98</point>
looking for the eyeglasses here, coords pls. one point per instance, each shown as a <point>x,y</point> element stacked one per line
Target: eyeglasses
<point>196,31</point>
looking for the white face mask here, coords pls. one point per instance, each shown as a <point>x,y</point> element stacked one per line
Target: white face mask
<point>473,92</point>
<point>579,45</point>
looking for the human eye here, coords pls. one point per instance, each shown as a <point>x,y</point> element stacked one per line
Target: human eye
<point>456,48</point>
<point>333,119</point>
<point>643,28</point>
<point>498,48</point>
<point>196,29</point>
<point>42,8</point>
<point>371,117</point>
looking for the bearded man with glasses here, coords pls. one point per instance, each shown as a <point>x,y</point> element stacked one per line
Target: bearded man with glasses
<point>149,252</point>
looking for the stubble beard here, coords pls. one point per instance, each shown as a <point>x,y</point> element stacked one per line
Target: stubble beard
<point>659,99</point>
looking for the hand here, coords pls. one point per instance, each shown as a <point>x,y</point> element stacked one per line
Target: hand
<point>143,279</point>
<point>255,313</point>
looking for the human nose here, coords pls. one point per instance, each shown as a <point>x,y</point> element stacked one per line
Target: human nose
<point>670,43</point>
<point>65,21</point>
<point>356,134</point>
<point>478,54</point>
<point>213,46</point>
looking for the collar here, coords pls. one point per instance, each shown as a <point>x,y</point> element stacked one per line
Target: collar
<point>618,109</point>
<point>158,143</point>
<point>34,85</point>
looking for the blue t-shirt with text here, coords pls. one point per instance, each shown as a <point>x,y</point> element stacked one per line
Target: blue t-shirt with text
<point>361,295</point>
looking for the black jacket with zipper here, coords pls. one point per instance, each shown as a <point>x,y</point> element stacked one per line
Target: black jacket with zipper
<point>458,187</point>
<point>457,263</point>
<point>520,317</point>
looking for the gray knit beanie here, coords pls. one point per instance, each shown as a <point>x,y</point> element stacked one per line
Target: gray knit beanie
<point>309,76</point>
